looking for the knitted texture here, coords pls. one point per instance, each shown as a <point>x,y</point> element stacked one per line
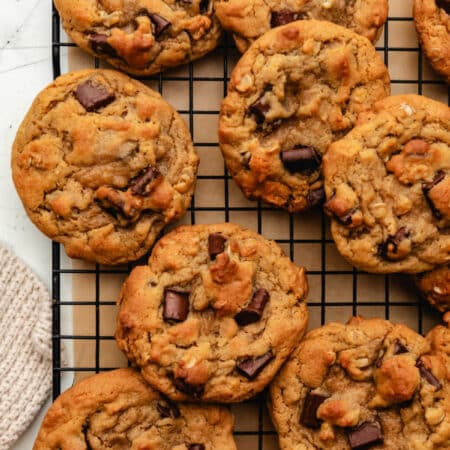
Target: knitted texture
<point>25,347</point>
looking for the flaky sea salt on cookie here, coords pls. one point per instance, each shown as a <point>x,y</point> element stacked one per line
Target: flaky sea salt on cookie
<point>101,163</point>
<point>213,315</point>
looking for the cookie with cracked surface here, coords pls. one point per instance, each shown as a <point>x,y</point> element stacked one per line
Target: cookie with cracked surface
<point>297,89</point>
<point>388,187</point>
<point>119,411</point>
<point>368,384</point>
<point>215,313</point>
<point>432,21</point>
<point>142,37</point>
<point>434,286</point>
<point>250,19</point>
<point>101,163</point>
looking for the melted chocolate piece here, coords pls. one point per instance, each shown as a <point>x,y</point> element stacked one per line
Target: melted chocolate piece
<point>426,188</point>
<point>301,159</point>
<point>160,23</point>
<point>316,197</point>
<point>427,375</point>
<point>194,390</point>
<point>251,367</point>
<point>141,184</point>
<point>99,43</point>
<point>259,110</point>
<point>169,410</point>
<point>176,305</point>
<point>368,433</point>
<point>282,18</point>
<point>196,447</point>
<point>310,407</point>
<point>444,4</point>
<point>399,348</point>
<point>253,312</point>
<point>93,96</point>
<point>389,248</point>
<point>216,244</point>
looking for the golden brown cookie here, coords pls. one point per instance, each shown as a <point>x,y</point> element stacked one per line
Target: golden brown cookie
<point>388,187</point>
<point>213,315</point>
<point>368,384</point>
<point>250,19</point>
<point>432,20</point>
<point>434,286</point>
<point>295,91</point>
<point>101,163</point>
<point>142,37</point>
<point>117,410</point>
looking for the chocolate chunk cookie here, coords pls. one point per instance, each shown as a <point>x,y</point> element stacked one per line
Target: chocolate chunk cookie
<point>432,20</point>
<point>249,19</point>
<point>214,314</point>
<point>435,287</point>
<point>388,187</point>
<point>368,384</point>
<point>297,89</point>
<point>117,410</point>
<point>102,163</point>
<point>139,36</point>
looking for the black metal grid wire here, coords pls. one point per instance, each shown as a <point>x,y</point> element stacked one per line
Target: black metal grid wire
<point>319,276</point>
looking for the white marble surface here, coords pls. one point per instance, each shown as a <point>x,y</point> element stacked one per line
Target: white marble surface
<point>25,68</point>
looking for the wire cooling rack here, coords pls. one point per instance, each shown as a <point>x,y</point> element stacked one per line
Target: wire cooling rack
<point>84,295</point>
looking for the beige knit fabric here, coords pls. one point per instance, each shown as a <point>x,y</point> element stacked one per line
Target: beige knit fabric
<point>25,347</point>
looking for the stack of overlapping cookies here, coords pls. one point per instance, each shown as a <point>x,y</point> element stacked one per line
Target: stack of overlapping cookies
<point>102,163</point>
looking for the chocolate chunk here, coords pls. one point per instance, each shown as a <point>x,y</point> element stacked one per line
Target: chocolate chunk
<point>93,96</point>
<point>301,159</point>
<point>426,188</point>
<point>310,407</point>
<point>169,410</point>
<point>204,6</point>
<point>196,447</point>
<point>259,110</point>
<point>444,4</point>
<point>253,312</point>
<point>216,244</point>
<point>282,18</point>
<point>399,348</point>
<point>194,390</point>
<point>367,433</point>
<point>141,184</point>
<point>176,305</point>
<point>251,367</point>
<point>316,197</point>
<point>160,23</point>
<point>99,43</point>
<point>427,375</point>
<point>389,249</point>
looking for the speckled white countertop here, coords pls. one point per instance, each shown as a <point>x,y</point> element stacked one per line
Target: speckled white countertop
<point>25,68</point>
